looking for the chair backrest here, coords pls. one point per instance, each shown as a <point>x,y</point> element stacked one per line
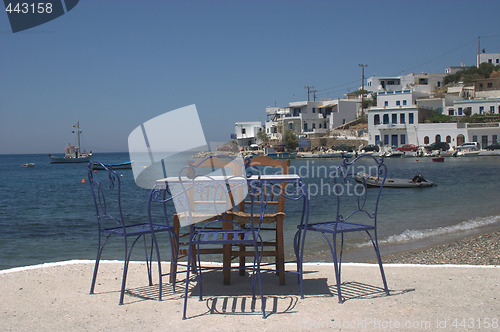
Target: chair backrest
<point>265,165</point>
<point>357,186</point>
<point>212,186</point>
<point>106,191</point>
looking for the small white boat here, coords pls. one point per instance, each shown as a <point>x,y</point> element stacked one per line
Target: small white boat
<point>394,154</point>
<point>27,165</point>
<point>468,153</point>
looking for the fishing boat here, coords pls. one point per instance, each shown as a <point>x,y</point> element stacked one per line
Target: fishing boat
<point>73,153</point>
<point>125,165</point>
<point>418,181</point>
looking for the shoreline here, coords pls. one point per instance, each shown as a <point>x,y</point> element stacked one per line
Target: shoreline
<point>477,249</point>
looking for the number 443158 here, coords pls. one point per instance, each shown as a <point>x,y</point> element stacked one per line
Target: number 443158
<point>32,8</point>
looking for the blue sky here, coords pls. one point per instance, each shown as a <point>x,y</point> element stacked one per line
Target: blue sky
<point>114,64</point>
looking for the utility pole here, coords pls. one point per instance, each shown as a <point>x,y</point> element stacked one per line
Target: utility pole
<point>362,88</point>
<point>478,49</point>
<point>308,90</point>
<point>314,94</point>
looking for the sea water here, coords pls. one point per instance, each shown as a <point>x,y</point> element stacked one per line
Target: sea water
<point>47,212</point>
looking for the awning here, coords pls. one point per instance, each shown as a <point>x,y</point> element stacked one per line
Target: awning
<point>329,105</point>
<point>298,105</point>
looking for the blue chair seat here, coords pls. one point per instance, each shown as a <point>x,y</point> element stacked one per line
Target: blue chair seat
<point>137,229</point>
<point>229,236</point>
<point>342,227</point>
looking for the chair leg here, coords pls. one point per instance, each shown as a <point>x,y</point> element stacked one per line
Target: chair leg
<point>175,256</point>
<point>298,256</point>
<point>379,259</point>
<point>154,243</point>
<point>175,248</point>
<point>242,258</point>
<point>341,252</point>
<point>337,268</point>
<point>280,251</point>
<point>333,249</point>
<point>226,256</point>
<point>190,253</point>
<point>125,270</point>
<point>149,260</point>
<point>97,260</point>
<point>259,276</point>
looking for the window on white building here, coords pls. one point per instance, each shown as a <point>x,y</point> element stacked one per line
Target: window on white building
<point>377,139</point>
<point>410,118</point>
<point>403,139</point>
<point>386,103</point>
<point>398,103</point>
<point>243,131</point>
<point>394,118</point>
<point>386,139</point>
<point>404,102</point>
<point>376,119</point>
<point>492,109</point>
<point>460,111</point>
<point>386,118</point>
<point>481,109</point>
<point>402,118</point>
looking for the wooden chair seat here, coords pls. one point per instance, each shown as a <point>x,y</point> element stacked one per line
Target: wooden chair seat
<point>246,217</point>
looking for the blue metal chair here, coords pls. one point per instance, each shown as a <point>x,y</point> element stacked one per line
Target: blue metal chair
<point>357,207</point>
<point>106,192</point>
<point>217,192</point>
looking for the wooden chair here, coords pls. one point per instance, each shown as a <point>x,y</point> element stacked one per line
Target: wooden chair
<point>211,164</point>
<point>273,220</point>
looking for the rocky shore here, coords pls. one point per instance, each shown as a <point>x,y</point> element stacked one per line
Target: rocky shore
<point>481,249</point>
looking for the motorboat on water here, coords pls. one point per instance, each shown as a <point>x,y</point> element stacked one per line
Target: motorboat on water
<point>26,165</point>
<point>124,165</point>
<point>418,181</point>
<point>73,153</point>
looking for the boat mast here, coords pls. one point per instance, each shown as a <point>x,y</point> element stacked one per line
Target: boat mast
<point>78,131</point>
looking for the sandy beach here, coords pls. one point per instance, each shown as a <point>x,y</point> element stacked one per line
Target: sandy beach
<point>446,295</point>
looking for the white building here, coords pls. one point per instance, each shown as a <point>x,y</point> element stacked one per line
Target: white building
<point>393,122</point>
<point>397,121</point>
<point>421,83</point>
<point>311,117</point>
<point>246,132</point>
<point>493,58</point>
<point>477,106</point>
